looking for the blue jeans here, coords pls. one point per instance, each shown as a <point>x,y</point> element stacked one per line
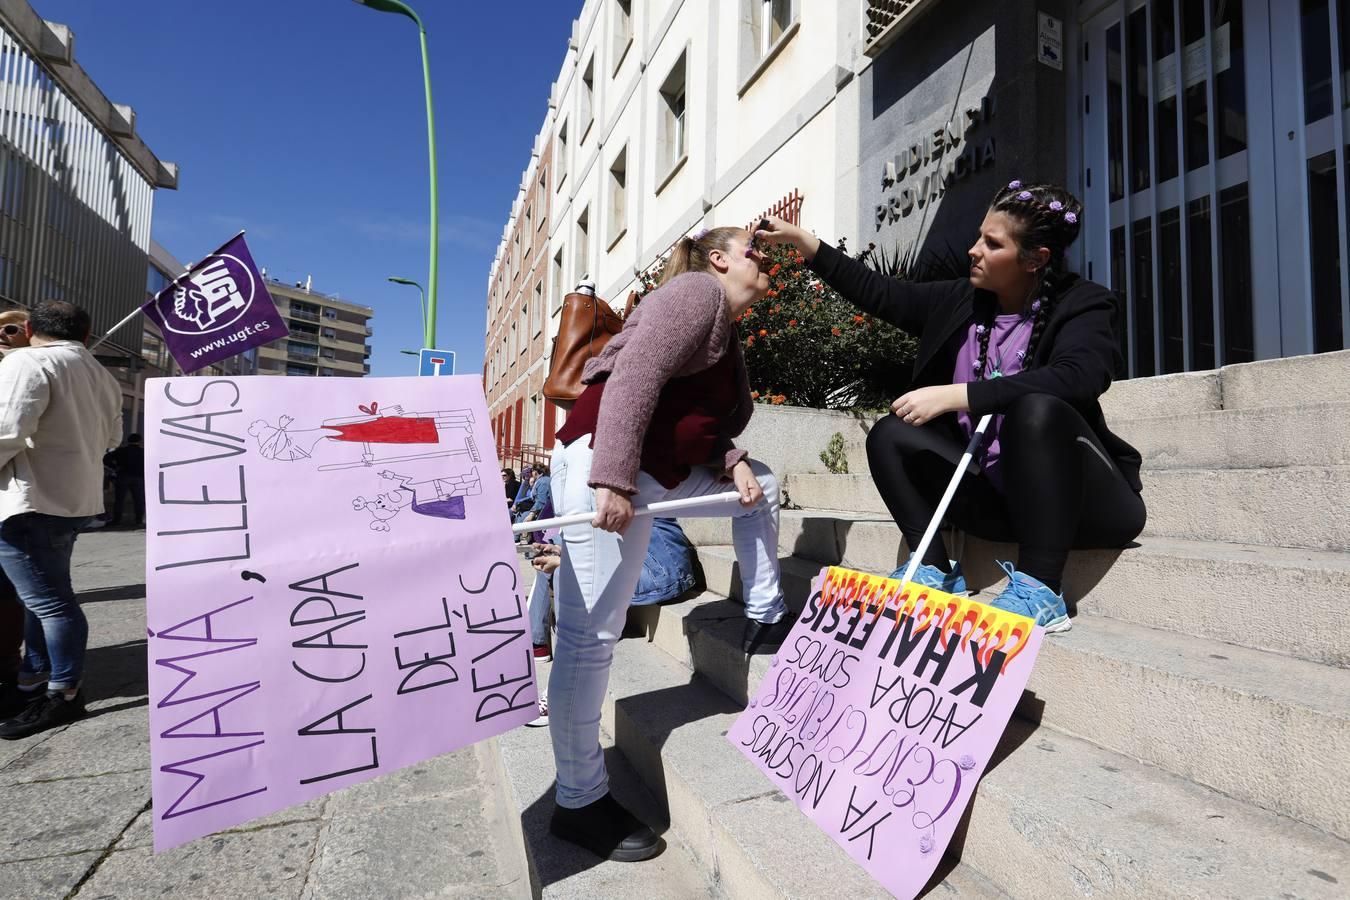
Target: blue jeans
<point>668,570</point>
<point>35,551</point>
<point>539,604</point>
<point>594,588</point>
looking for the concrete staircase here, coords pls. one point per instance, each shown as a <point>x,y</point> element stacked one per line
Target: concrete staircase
<point>1189,738</point>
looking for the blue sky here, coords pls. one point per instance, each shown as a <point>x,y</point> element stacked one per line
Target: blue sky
<point>303,121</point>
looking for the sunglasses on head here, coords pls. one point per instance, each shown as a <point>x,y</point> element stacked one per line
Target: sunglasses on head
<point>11,329</point>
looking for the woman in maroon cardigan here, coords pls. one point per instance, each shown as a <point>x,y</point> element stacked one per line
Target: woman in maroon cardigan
<point>656,421</point>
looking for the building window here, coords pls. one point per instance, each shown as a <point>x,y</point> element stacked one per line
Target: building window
<point>524,331</point>
<point>560,154</point>
<point>671,137</point>
<point>587,112</point>
<point>623,31</point>
<point>538,308</point>
<point>558,285</point>
<point>582,262</point>
<point>515,256</point>
<point>330,314</point>
<point>765,24</point>
<point>529,220</point>
<point>618,194</point>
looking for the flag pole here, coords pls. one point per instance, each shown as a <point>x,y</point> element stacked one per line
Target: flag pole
<point>134,313</point>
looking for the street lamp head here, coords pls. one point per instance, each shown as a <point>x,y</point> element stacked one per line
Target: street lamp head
<point>392,6</point>
<point>397,280</point>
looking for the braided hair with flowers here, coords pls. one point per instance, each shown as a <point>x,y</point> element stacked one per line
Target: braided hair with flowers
<point>1045,215</point>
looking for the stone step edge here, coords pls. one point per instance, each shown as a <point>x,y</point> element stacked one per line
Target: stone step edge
<point>1147,658</point>
<point>1000,801</point>
<point>1097,582</point>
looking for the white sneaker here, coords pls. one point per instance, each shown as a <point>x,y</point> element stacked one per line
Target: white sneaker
<point>541,720</point>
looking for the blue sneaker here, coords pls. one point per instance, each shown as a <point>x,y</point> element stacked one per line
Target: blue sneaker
<point>1026,596</point>
<point>933,577</point>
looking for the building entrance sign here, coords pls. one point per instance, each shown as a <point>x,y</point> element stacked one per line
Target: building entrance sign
<point>923,171</point>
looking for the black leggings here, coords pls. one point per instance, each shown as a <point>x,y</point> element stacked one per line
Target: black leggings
<point>1061,490</point>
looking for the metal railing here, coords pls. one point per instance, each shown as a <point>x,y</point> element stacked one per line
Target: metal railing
<point>516,456</point>
<point>303,314</point>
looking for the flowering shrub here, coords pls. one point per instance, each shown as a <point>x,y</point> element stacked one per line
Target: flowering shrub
<point>807,346</point>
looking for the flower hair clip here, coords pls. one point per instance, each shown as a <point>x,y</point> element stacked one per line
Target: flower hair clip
<point>1014,185</point>
<point>699,235</point>
<point>1071,218</point>
<point>1056,206</point>
<point>1025,195</point>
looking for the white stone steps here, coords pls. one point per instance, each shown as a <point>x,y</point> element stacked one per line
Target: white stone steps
<point>1054,817</point>
<point>1196,707</point>
<point>1316,434</point>
<point>1295,506</point>
<point>672,730</point>
<point>561,871</point>
<point>1216,590</point>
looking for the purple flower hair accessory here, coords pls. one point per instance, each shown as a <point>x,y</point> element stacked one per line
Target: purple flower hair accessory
<point>1035,306</point>
<point>1014,185</point>
<point>1025,195</point>
<point>699,235</point>
<point>926,844</point>
<point>966,762</point>
<point>1056,205</point>
<point>1071,218</point>
<point>980,329</point>
<point>975,367</point>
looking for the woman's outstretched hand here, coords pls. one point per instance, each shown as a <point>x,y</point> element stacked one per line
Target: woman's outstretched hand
<point>777,231</point>
<point>921,406</point>
<point>613,511</point>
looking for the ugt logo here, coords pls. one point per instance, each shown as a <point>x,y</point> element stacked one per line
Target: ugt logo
<point>213,297</point>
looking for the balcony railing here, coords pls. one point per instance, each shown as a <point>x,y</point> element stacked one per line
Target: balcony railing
<point>303,314</point>
<point>302,356</point>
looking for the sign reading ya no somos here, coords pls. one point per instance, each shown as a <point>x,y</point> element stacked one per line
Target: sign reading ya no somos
<point>880,713</point>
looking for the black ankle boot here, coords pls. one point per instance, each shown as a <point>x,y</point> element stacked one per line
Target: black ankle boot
<point>606,829</point>
<point>764,636</point>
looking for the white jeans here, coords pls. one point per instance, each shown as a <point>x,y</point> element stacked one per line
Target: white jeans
<point>599,574</point>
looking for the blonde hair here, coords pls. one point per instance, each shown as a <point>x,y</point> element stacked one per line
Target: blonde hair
<point>691,255</point>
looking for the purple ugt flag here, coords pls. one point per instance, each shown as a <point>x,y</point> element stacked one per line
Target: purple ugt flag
<point>217,309</point>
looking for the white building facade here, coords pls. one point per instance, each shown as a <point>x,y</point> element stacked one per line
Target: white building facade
<point>669,116</point>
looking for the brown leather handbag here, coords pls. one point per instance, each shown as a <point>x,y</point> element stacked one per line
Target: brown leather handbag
<point>585,327</point>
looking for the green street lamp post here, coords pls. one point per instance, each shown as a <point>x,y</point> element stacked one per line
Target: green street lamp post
<point>428,327</point>
<point>396,6</point>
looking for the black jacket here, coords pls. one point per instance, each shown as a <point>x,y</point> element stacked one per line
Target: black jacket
<point>1074,360</point>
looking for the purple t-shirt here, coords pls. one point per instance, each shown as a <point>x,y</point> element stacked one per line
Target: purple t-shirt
<point>1007,347</point>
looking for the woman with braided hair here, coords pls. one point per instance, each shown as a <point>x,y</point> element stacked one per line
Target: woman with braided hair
<point>1029,341</point>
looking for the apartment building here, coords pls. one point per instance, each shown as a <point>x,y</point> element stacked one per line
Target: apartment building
<point>668,116</point>
<point>329,337</point>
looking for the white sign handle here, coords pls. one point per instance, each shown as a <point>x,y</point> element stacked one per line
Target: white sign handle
<point>655,509</point>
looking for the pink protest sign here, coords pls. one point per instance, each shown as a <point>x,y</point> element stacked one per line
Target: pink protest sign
<point>332,589</point>
<point>881,711</point>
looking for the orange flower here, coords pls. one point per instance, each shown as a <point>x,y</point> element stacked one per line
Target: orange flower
<point>779,400</point>
<point>818,286</point>
<point>771,294</point>
<point>858,319</point>
<point>763,332</point>
<point>835,331</point>
<point>792,323</point>
<point>773,273</point>
<point>779,286</point>
<point>754,395</point>
<point>773,311</point>
<point>750,311</point>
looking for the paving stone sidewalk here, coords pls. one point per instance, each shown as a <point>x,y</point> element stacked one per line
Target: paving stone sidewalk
<point>76,800</point>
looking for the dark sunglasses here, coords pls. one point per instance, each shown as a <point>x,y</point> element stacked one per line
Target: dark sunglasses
<point>11,329</point>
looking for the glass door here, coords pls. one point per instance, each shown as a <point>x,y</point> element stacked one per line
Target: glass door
<point>1166,180</point>
<point>1314,139</point>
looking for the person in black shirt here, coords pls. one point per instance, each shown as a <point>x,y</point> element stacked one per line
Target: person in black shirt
<point>1033,344</point>
<point>128,465</point>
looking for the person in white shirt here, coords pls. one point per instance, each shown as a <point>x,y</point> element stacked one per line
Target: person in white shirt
<point>60,412</point>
